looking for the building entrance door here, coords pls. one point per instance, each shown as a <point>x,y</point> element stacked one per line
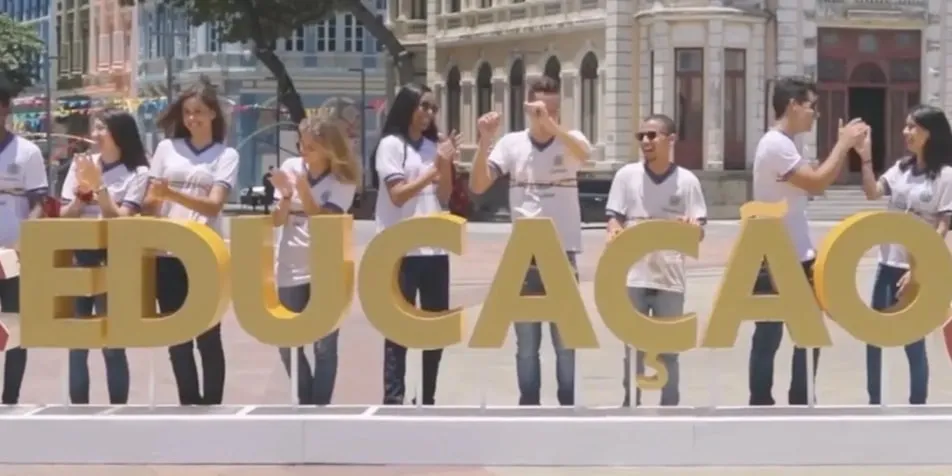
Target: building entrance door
<point>871,74</point>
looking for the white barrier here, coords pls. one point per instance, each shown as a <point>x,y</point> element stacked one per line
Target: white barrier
<point>500,436</point>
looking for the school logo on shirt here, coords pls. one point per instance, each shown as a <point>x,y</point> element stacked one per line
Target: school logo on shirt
<point>13,169</point>
<point>325,196</point>
<point>925,196</point>
<point>558,160</point>
<point>675,200</point>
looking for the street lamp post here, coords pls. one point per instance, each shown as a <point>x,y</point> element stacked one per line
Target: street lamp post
<point>363,122</point>
<point>51,167</point>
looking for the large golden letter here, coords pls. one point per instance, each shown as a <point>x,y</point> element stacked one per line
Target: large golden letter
<point>653,336</point>
<point>764,238</point>
<point>256,303</point>
<point>923,308</point>
<point>562,304</point>
<point>131,280</point>
<point>379,290</point>
<point>49,283</point>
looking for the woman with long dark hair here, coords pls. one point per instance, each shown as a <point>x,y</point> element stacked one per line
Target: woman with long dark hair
<point>415,173</point>
<point>192,173</point>
<point>109,184</point>
<point>919,184</point>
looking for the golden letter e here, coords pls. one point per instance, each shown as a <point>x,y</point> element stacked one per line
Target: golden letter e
<point>133,246</point>
<point>49,284</point>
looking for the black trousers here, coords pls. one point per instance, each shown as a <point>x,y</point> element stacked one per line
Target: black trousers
<point>14,360</point>
<point>172,289</point>
<point>430,277</point>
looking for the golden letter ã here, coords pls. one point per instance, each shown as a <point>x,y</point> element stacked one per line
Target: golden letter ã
<point>765,239</point>
<point>923,309</point>
<point>562,304</point>
<point>49,283</point>
<point>653,336</point>
<point>132,281</point>
<point>379,289</point>
<point>256,303</point>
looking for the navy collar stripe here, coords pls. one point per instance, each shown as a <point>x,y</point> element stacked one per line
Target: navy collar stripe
<point>196,150</point>
<point>660,178</point>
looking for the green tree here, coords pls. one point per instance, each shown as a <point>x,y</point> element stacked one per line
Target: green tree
<point>21,51</point>
<point>263,23</point>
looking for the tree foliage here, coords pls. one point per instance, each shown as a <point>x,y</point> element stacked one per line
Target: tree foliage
<point>21,52</point>
<point>262,23</point>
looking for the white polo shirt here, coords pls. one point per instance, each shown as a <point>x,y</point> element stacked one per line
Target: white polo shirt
<point>912,191</point>
<point>125,187</point>
<point>22,175</point>
<point>398,159</point>
<point>293,266</point>
<point>543,182</point>
<point>194,172</point>
<point>775,159</point>
<point>637,195</point>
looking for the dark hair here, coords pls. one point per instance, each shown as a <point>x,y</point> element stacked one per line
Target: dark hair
<point>789,88</point>
<point>544,85</point>
<point>400,115</point>
<point>665,120</point>
<point>935,152</point>
<point>171,121</point>
<point>6,92</point>
<point>125,133</point>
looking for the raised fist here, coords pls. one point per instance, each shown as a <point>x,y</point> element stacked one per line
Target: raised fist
<point>488,125</point>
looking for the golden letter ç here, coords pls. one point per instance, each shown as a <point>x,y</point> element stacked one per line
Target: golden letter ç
<point>131,279</point>
<point>379,291</point>
<point>49,283</point>
<point>923,308</point>
<point>256,303</point>
<point>562,304</point>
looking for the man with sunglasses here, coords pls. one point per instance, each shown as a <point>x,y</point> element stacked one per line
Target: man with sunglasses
<point>542,163</point>
<point>782,174</point>
<point>655,189</point>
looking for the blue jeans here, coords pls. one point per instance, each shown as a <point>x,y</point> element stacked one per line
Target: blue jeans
<point>14,360</point>
<point>117,365</point>
<point>884,296</point>
<point>528,343</point>
<point>656,303</point>
<point>314,387</point>
<point>763,349</point>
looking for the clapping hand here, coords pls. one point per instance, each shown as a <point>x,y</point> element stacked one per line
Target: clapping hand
<point>853,133</point>
<point>88,174</point>
<point>281,183</point>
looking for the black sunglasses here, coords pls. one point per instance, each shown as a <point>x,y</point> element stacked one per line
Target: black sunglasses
<point>651,135</point>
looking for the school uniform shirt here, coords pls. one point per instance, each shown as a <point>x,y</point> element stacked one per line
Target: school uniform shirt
<point>124,186</point>
<point>775,160</point>
<point>193,172</point>
<point>22,176</point>
<point>637,195</point>
<point>912,191</point>
<point>543,182</point>
<point>293,265</point>
<point>397,160</point>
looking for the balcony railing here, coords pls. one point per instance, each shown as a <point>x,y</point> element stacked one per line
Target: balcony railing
<point>910,6</point>
<point>231,63</point>
<point>525,17</point>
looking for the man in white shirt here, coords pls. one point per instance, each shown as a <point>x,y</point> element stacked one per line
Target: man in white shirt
<point>781,173</point>
<point>655,189</point>
<point>542,163</point>
<point>23,188</point>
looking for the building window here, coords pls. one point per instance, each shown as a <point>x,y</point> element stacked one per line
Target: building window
<point>327,35</point>
<point>735,109</point>
<point>689,107</point>
<point>296,41</point>
<point>553,70</point>
<point>455,6</point>
<point>517,96</point>
<point>213,38</point>
<point>453,100</point>
<point>484,89</point>
<point>589,76</point>
<point>485,3</point>
<point>418,9</point>
<point>84,40</point>
<point>381,47</point>
<point>353,35</point>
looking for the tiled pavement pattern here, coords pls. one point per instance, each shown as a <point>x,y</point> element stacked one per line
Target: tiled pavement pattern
<point>471,376</point>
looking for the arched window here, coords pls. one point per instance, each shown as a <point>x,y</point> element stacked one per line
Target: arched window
<point>484,89</point>
<point>453,99</point>
<point>517,96</point>
<point>589,76</point>
<point>553,69</point>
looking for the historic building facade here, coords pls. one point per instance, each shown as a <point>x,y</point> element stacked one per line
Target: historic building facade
<point>706,63</point>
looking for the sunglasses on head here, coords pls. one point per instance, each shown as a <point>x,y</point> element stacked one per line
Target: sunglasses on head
<point>651,135</point>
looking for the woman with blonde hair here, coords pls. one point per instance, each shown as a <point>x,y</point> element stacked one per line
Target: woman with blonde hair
<point>322,181</point>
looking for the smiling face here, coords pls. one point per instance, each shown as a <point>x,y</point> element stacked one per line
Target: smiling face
<point>802,114</point>
<point>100,133</point>
<point>655,140</point>
<point>426,112</point>
<point>197,116</point>
<point>915,136</point>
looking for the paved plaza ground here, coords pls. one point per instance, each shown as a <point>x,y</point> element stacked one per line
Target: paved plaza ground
<point>470,377</point>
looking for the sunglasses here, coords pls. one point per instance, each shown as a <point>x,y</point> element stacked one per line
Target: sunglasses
<point>650,135</point>
<point>428,106</point>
